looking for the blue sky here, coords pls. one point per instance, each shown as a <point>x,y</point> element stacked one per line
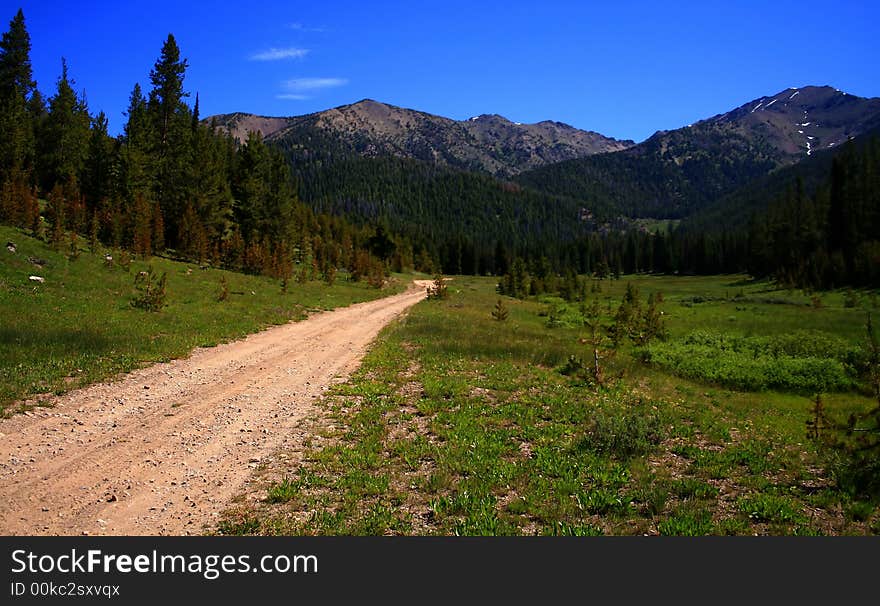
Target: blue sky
<point>622,68</point>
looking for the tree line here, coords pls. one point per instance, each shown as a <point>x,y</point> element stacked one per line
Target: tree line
<point>826,239</point>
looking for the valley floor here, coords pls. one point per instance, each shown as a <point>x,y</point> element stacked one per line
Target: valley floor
<point>462,424</point>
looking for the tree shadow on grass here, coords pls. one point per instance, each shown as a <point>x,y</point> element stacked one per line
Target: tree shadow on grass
<point>58,340</point>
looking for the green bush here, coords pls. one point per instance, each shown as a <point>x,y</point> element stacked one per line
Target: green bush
<point>623,434</point>
<point>150,293</point>
<point>804,361</point>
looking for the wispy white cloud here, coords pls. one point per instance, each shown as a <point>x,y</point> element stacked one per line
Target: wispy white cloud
<point>298,85</point>
<point>302,28</point>
<point>277,54</point>
<point>292,97</point>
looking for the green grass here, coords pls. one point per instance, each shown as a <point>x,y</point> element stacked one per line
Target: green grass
<point>79,326</point>
<point>461,425</point>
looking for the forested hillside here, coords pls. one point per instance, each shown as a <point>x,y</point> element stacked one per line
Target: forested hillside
<point>471,223</point>
<point>169,184</point>
<point>653,181</point>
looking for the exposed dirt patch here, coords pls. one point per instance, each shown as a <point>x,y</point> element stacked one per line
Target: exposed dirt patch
<point>165,449</point>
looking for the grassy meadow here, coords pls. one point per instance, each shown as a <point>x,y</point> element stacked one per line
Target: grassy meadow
<point>79,325</point>
<point>461,424</point>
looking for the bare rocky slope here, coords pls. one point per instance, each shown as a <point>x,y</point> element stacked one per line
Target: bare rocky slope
<point>798,121</point>
<point>487,143</point>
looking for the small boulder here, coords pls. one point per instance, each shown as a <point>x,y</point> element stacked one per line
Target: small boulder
<point>39,279</point>
<point>10,246</point>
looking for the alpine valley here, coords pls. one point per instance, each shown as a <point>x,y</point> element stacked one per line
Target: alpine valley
<point>546,331</point>
<point>476,191</point>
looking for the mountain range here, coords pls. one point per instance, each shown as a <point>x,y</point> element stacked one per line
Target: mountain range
<point>488,143</point>
<point>372,160</point>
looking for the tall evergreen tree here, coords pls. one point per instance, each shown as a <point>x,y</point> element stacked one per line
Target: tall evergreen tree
<point>137,168</point>
<point>16,88</point>
<point>265,198</point>
<point>167,95</point>
<point>171,124</point>
<point>208,179</point>
<point>64,140</point>
<point>97,175</point>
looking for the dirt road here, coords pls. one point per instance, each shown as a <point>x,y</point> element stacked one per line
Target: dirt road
<point>164,449</point>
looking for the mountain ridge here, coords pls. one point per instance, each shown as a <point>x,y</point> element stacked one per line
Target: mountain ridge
<point>673,173</point>
<point>487,143</point>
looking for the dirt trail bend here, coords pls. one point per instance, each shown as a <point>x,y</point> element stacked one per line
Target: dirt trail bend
<point>164,449</point>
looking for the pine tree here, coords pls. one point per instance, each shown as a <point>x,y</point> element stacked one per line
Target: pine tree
<point>16,77</point>
<point>94,229</point>
<point>167,95</point>
<point>499,312</point>
<point>516,283</point>
<point>628,317</point>
<point>265,199</point>
<point>158,228</point>
<point>73,247</point>
<point>438,288</point>
<point>150,292</point>
<point>136,159</point>
<point>16,87</point>
<point>97,173</point>
<point>75,213</point>
<point>64,140</point>
<point>597,340</point>
<point>501,260</point>
<point>208,179</point>
<point>170,120</point>
<point>191,237</point>
<point>651,324</point>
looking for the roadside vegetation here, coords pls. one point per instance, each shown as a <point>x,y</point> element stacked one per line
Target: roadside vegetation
<point>86,316</point>
<point>462,424</point>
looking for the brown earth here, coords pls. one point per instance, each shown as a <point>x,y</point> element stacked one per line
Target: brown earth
<point>165,449</point>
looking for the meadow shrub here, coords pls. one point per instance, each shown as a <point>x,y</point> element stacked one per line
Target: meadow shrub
<point>499,312</point>
<point>150,292</point>
<point>438,289</point>
<point>804,361</point>
<point>559,314</point>
<point>623,434</point>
